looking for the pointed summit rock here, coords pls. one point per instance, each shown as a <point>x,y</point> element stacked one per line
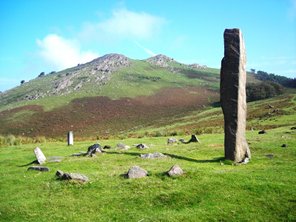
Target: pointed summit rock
<point>160,60</point>
<point>233,96</point>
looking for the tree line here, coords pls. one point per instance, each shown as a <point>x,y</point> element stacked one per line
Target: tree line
<point>271,85</point>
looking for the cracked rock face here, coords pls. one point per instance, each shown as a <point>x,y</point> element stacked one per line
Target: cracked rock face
<point>233,96</point>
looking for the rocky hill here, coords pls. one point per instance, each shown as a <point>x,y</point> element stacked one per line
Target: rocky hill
<point>109,95</point>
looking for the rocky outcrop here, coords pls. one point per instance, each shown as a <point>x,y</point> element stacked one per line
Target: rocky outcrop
<point>160,60</point>
<point>233,96</point>
<point>98,71</point>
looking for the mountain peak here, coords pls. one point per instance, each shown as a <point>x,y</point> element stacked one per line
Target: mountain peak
<point>160,60</point>
<point>112,57</point>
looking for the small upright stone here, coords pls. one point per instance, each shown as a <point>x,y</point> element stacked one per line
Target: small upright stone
<point>136,172</point>
<point>70,138</point>
<point>39,155</point>
<point>233,96</point>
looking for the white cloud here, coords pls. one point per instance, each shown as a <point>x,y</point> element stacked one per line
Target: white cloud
<point>124,24</point>
<point>63,53</point>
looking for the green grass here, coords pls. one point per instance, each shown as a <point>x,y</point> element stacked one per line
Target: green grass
<point>210,190</point>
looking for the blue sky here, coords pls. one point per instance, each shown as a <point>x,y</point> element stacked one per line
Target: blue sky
<point>50,35</point>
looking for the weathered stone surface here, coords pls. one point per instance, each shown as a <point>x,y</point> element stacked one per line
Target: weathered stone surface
<point>233,96</point>
<point>172,141</point>
<point>142,146</point>
<point>95,148</point>
<point>175,171</point>
<point>71,176</point>
<point>39,155</point>
<point>152,155</point>
<point>39,168</point>
<point>70,138</point>
<point>136,172</point>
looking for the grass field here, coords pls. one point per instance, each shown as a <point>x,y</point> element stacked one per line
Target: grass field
<point>210,190</point>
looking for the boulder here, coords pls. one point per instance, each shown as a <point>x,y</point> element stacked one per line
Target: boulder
<point>71,176</point>
<point>142,146</point>
<point>175,171</point>
<point>262,132</point>
<point>172,141</point>
<point>93,149</point>
<point>136,172</point>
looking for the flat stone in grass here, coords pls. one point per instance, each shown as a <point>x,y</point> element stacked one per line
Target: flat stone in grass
<point>122,146</point>
<point>136,172</point>
<point>172,141</point>
<point>175,171</point>
<point>71,176</point>
<point>39,155</point>
<point>39,168</point>
<point>55,159</point>
<point>270,156</point>
<point>152,155</point>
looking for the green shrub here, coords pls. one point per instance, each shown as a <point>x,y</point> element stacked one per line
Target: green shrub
<point>2,140</point>
<point>10,140</point>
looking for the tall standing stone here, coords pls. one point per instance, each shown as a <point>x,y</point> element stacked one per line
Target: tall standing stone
<point>70,138</point>
<point>233,96</point>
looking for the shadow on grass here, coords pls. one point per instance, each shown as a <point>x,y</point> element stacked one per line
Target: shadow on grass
<point>124,153</point>
<point>28,164</point>
<point>214,160</point>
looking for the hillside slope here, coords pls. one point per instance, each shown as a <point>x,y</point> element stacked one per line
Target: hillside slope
<point>109,95</point>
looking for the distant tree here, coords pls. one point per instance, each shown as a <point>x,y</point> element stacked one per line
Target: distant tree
<point>41,74</point>
<point>22,82</point>
<point>52,72</point>
<point>253,70</point>
<point>284,81</point>
<point>263,90</point>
